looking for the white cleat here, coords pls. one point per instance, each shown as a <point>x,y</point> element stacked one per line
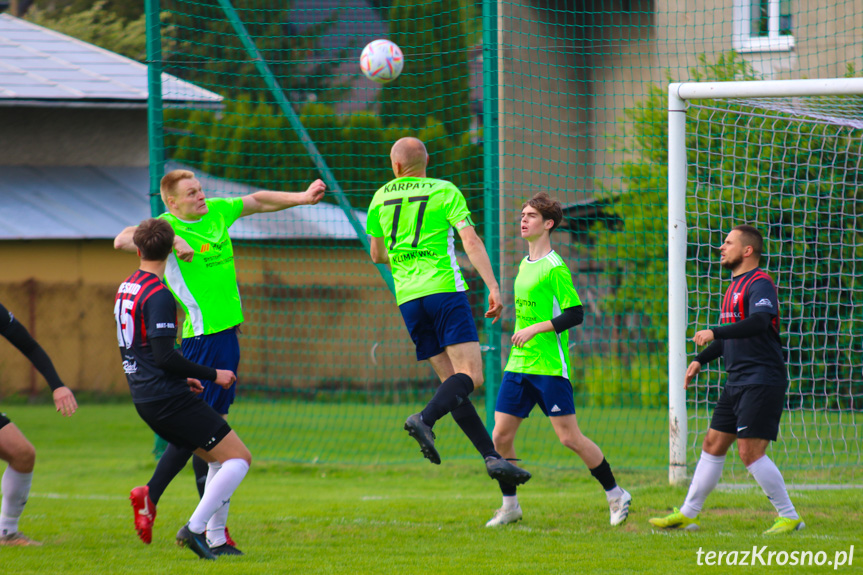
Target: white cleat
<point>503,516</point>
<point>619,508</point>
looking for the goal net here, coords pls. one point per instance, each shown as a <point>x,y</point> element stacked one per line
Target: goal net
<point>791,165</point>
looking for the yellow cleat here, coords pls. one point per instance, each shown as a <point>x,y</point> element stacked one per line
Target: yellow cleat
<point>785,525</point>
<point>676,520</point>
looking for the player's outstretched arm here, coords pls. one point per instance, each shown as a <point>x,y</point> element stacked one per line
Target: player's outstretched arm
<point>125,242</point>
<point>477,255</point>
<point>268,201</point>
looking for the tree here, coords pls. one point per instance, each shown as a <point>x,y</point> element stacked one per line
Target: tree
<point>820,163</point>
<point>435,78</point>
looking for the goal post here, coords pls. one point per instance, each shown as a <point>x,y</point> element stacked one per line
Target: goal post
<point>733,182</point>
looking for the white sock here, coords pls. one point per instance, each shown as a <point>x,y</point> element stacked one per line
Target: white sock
<point>614,493</point>
<point>16,489</point>
<point>216,524</point>
<point>218,492</point>
<point>704,480</point>
<point>510,501</point>
<point>770,479</point>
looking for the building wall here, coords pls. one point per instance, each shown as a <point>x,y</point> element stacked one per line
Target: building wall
<point>73,137</point>
<point>316,317</point>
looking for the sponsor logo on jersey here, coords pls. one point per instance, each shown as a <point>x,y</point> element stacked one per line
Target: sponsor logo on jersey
<point>401,258</point>
<point>525,302</point>
<point>165,325</point>
<point>764,303</point>
<point>735,297</point>
<point>130,366</point>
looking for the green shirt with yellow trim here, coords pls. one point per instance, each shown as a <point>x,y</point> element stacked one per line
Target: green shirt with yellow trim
<point>416,216</point>
<point>543,289</point>
<point>207,286</point>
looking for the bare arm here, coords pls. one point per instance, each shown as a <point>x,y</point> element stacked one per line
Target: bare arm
<point>477,255</point>
<point>267,201</point>
<point>379,251</point>
<point>124,241</point>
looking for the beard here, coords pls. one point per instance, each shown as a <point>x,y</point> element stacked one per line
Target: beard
<point>730,264</point>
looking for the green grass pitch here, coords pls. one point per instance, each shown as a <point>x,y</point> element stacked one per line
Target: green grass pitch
<point>395,514</point>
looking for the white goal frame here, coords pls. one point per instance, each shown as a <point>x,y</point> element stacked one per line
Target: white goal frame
<point>678,95</point>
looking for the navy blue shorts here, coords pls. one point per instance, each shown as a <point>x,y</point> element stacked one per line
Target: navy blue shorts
<point>4,421</point>
<point>438,320</point>
<point>519,392</point>
<point>219,350</point>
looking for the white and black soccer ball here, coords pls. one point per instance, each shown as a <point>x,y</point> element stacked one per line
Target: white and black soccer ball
<point>382,61</point>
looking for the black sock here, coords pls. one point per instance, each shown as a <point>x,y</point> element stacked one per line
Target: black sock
<point>472,426</point>
<point>603,474</point>
<point>170,464</point>
<point>448,396</point>
<point>202,468</point>
<point>507,489</point>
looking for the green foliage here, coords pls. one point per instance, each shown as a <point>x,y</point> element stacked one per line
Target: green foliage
<point>807,204</point>
<point>210,53</point>
<point>622,380</point>
<point>435,77</point>
<point>96,24</point>
<point>253,143</point>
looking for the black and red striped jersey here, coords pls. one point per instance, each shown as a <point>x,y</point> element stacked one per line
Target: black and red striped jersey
<point>145,308</point>
<point>758,359</point>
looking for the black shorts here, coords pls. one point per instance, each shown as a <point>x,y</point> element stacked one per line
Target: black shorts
<point>749,411</point>
<point>4,421</point>
<point>185,420</point>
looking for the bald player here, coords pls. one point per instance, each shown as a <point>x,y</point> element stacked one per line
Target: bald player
<point>412,222</point>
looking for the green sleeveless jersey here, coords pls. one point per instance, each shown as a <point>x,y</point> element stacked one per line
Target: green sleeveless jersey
<point>417,217</point>
<point>207,287</point>
<point>543,288</point>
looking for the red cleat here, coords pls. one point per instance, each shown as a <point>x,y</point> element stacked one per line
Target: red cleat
<point>145,512</point>
<point>228,539</point>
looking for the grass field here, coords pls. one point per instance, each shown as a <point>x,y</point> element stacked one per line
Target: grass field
<point>382,517</point>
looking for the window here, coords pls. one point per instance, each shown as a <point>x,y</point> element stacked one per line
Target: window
<point>762,26</point>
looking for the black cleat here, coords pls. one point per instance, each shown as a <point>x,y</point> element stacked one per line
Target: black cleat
<point>424,435</point>
<point>225,549</point>
<point>197,542</point>
<point>503,470</point>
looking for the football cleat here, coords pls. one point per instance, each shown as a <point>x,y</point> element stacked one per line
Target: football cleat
<point>504,516</point>
<point>503,470</point>
<point>676,520</point>
<point>225,549</point>
<point>619,508</point>
<point>785,525</point>
<point>145,512</point>
<point>197,542</point>
<point>228,539</point>
<point>424,435</point>
<point>18,539</point>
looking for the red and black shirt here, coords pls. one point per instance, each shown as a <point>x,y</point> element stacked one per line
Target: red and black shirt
<point>144,308</point>
<point>758,359</point>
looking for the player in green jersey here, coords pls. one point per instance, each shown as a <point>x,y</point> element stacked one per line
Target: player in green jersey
<point>546,306</point>
<point>201,274</point>
<point>411,221</point>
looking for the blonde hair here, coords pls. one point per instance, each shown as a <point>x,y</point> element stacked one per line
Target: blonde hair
<point>168,185</point>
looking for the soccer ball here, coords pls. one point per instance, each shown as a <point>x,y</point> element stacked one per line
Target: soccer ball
<point>381,61</point>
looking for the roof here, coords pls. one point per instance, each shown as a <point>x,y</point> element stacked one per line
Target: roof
<point>39,66</point>
<point>72,203</point>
